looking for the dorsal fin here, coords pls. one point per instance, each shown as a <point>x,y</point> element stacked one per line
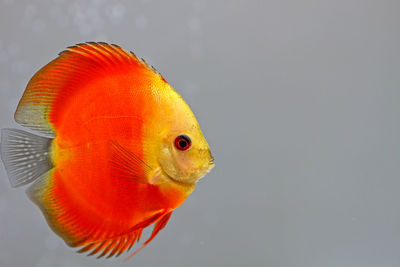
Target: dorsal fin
<point>72,68</point>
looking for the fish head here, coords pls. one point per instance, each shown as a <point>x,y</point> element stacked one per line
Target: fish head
<point>184,155</point>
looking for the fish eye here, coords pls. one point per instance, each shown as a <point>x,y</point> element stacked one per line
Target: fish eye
<point>183,142</point>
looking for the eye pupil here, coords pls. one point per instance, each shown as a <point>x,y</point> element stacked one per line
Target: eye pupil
<point>182,142</point>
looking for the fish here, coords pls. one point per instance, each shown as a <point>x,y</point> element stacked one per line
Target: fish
<point>115,148</point>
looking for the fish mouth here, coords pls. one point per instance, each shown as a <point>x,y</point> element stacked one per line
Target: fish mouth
<point>210,166</point>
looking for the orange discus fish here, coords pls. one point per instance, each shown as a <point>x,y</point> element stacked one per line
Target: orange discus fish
<point>124,149</point>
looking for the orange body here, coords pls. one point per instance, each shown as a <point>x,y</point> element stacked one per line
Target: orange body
<point>81,152</point>
<point>114,171</point>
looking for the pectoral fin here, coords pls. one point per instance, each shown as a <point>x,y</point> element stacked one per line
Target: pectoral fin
<point>126,165</point>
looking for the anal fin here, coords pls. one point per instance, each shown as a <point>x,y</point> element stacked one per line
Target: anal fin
<point>160,224</point>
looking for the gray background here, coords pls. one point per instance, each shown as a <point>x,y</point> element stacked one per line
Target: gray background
<point>299,101</point>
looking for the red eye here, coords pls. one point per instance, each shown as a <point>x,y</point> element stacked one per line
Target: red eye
<point>183,142</point>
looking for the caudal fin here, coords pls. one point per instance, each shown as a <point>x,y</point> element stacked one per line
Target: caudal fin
<point>25,156</point>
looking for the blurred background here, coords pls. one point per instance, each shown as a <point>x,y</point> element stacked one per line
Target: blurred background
<point>299,101</point>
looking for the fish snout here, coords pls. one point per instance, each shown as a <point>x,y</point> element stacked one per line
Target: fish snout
<point>212,161</point>
<point>210,164</point>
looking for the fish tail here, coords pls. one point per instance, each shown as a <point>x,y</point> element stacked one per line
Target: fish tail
<point>25,156</point>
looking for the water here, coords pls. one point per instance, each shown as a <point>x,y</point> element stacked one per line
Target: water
<point>298,100</point>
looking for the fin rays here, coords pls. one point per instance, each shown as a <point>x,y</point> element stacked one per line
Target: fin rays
<point>115,246</point>
<point>127,165</point>
<point>25,156</point>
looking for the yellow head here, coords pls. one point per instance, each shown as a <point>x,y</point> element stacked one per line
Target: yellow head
<point>184,155</point>
<point>181,153</point>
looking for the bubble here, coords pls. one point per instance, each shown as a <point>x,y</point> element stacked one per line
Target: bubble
<point>141,22</point>
<point>116,13</point>
<point>194,25</point>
